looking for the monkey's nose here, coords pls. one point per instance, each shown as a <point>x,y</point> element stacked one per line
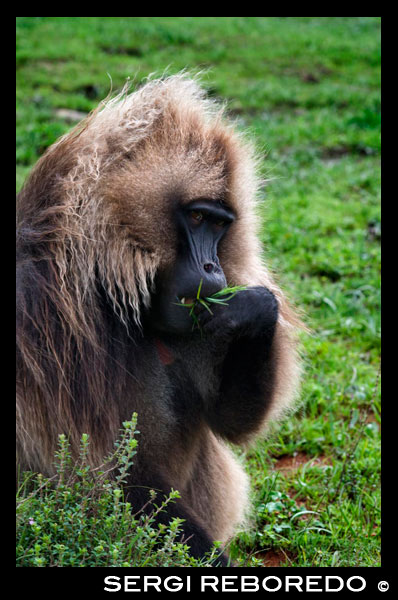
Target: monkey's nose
<point>213,280</point>
<point>209,267</point>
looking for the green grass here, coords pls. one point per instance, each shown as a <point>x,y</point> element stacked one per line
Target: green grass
<point>307,88</point>
<point>221,297</point>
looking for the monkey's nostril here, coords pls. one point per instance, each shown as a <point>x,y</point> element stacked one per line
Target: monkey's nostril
<point>208,267</point>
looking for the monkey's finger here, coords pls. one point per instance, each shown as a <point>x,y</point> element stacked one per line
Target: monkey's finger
<point>205,316</point>
<point>220,325</point>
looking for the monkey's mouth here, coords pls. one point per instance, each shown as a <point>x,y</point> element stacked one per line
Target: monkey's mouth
<point>186,301</point>
<point>193,304</point>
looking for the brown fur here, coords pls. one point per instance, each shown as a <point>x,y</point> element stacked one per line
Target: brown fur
<point>98,206</point>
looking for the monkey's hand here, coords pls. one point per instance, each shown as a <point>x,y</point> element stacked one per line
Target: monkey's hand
<point>247,373</point>
<point>251,313</point>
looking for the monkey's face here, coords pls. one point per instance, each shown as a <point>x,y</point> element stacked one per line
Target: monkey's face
<point>200,227</point>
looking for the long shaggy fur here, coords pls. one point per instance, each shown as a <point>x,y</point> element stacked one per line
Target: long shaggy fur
<point>95,218</point>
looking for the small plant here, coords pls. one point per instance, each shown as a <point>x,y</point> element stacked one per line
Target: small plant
<point>80,518</point>
<point>221,297</point>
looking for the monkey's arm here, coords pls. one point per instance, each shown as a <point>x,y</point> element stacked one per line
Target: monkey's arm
<point>248,370</point>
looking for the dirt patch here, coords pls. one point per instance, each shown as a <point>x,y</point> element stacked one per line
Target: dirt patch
<point>275,558</point>
<point>288,463</point>
<point>374,230</point>
<point>333,152</point>
<point>92,92</point>
<point>70,115</point>
<point>128,51</point>
<point>329,273</point>
<point>371,420</point>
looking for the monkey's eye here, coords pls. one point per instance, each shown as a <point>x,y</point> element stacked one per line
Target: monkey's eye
<point>196,216</point>
<point>218,225</point>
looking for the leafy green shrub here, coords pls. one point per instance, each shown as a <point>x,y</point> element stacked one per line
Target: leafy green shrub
<point>79,517</point>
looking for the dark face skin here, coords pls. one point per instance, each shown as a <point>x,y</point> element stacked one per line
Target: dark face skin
<point>200,226</point>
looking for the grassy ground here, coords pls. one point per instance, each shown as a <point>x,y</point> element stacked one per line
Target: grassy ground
<point>308,89</point>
